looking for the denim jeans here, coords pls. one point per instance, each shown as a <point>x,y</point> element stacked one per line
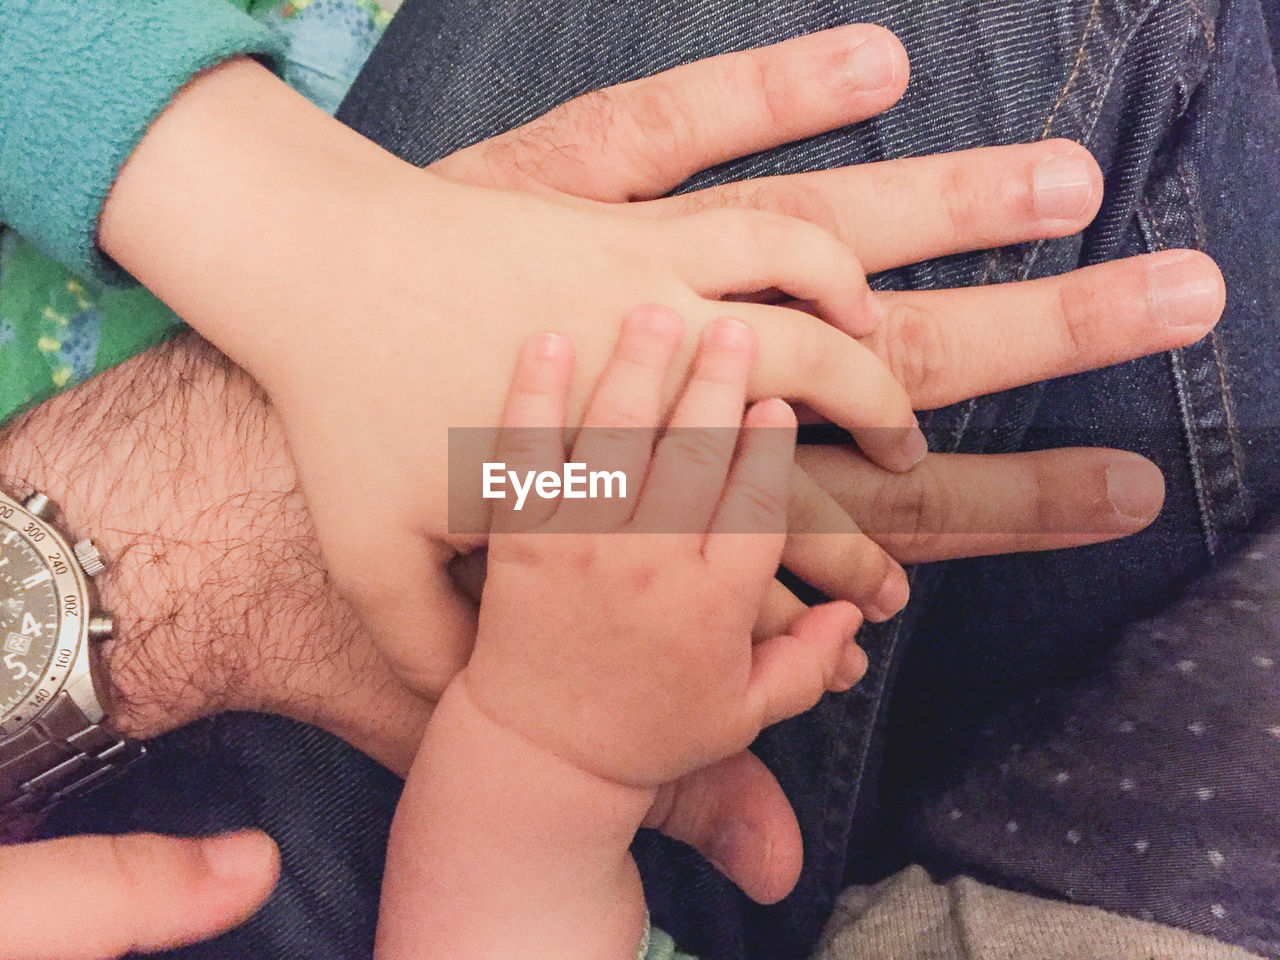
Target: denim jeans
<point>1178,101</point>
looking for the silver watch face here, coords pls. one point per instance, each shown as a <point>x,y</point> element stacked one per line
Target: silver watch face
<point>30,614</point>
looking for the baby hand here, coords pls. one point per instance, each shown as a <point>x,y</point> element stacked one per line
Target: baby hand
<point>616,633</point>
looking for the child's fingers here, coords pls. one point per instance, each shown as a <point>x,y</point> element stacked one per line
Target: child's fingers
<point>826,550</point>
<point>686,477</point>
<point>790,673</point>
<point>622,415</point>
<point>749,527</point>
<point>531,437</point>
<point>739,252</point>
<point>804,359</point>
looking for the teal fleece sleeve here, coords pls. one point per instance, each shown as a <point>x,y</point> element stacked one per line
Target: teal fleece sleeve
<point>80,83</point>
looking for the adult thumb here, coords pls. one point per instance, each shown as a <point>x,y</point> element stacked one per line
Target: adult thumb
<point>735,814</point>
<point>87,898</point>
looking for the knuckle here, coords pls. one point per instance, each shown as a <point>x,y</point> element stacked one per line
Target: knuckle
<point>1071,307</point>
<point>961,200</point>
<point>133,860</point>
<point>913,508</point>
<point>578,555</point>
<point>615,430</point>
<point>762,509</point>
<point>750,74</point>
<point>1049,510</point>
<point>656,123</point>
<point>697,448</point>
<point>804,508</point>
<point>915,349</point>
<point>521,448</point>
<point>801,201</point>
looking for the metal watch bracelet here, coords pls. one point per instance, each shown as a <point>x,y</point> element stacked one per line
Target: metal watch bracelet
<point>60,753</point>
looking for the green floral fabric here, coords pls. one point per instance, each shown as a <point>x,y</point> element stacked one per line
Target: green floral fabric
<point>58,329</point>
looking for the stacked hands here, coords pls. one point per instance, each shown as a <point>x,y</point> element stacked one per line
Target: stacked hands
<point>553,742</point>
<point>404,301</point>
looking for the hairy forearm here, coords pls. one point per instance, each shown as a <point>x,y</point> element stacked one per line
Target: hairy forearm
<point>175,465</point>
<point>501,849</point>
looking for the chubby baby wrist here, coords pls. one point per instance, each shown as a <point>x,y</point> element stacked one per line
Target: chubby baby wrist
<point>603,804</point>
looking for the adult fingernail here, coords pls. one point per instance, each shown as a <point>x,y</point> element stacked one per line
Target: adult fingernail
<point>739,849</point>
<point>1181,292</point>
<point>1062,188</point>
<point>236,857</point>
<point>1135,489</point>
<point>872,65</point>
<point>851,668</point>
<point>914,447</point>
<point>892,595</point>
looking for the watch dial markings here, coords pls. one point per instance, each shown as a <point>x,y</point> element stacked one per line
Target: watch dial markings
<point>29,618</point>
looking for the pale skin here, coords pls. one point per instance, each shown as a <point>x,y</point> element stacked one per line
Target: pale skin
<point>385,269</point>
<point>218,583</point>
<point>547,750</point>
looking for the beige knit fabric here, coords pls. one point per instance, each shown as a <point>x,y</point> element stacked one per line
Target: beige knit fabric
<point>909,917</point>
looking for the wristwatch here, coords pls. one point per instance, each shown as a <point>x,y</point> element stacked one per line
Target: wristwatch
<point>53,741</point>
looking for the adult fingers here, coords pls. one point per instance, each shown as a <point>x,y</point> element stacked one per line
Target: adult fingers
<point>897,212</point>
<point>801,358</point>
<point>965,505</point>
<point>644,138</point>
<point>621,418</point>
<point>790,673</point>
<point>950,345</point>
<point>779,610</point>
<point>85,898</point>
<point>425,626</point>
<point>735,814</point>
<point>686,477</point>
<point>725,253</point>
<point>826,550</point>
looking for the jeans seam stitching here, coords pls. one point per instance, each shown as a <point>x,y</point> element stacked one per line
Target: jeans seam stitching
<point>1187,404</point>
<point>1081,64</point>
<point>1190,189</point>
<point>1092,112</point>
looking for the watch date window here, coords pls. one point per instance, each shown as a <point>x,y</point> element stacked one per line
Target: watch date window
<point>17,643</point>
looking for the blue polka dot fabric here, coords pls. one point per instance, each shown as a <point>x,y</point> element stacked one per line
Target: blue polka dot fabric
<point>1153,788</point>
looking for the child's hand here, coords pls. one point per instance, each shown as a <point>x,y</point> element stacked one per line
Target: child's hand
<point>610,659</point>
<point>629,653</point>
<point>370,365</point>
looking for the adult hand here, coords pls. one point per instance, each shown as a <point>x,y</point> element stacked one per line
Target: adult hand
<point>177,465</point>
<point>87,898</point>
<point>944,346</point>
